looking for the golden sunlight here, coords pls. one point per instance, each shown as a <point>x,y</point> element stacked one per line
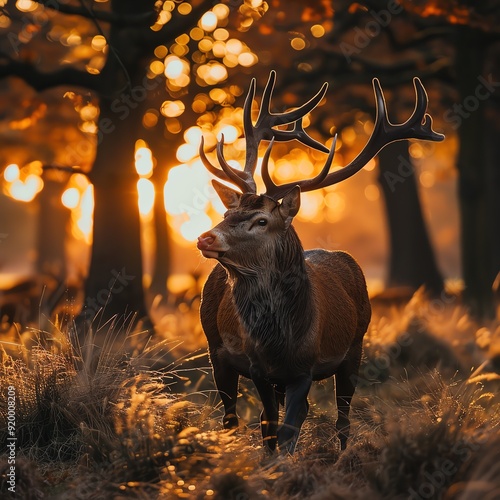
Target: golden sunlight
<point>79,198</point>
<point>11,172</point>
<point>144,165</point>
<point>190,201</point>
<point>146,192</point>
<point>25,183</point>
<point>26,5</point>
<point>196,225</point>
<point>26,190</point>
<point>144,161</point>
<point>83,216</point>
<point>174,67</point>
<point>310,206</point>
<point>172,109</point>
<point>230,133</point>
<point>209,21</point>
<point>71,198</point>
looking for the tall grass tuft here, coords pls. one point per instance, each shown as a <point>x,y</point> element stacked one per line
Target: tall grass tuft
<point>95,408</point>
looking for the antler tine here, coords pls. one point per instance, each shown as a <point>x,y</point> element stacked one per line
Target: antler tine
<point>228,173</point>
<point>241,178</point>
<point>268,182</point>
<point>206,162</point>
<point>266,120</point>
<point>301,135</point>
<point>278,191</point>
<point>265,104</point>
<point>252,143</point>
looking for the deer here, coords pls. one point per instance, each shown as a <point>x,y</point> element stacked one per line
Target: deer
<point>272,312</point>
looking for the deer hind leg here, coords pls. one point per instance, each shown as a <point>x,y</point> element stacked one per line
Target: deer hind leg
<point>270,413</point>
<point>226,379</point>
<point>345,382</point>
<point>297,408</point>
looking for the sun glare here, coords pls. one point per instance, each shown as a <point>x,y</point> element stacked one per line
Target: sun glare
<point>26,190</point>
<point>71,198</point>
<point>23,184</point>
<point>82,216</point>
<point>144,162</point>
<point>209,21</point>
<point>144,165</point>
<point>11,172</point>
<point>146,191</point>
<point>189,200</point>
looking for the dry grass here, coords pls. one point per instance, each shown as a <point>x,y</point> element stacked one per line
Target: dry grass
<point>98,423</point>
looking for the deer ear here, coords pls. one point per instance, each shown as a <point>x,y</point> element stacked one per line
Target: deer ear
<point>290,205</point>
<point>229,197</point>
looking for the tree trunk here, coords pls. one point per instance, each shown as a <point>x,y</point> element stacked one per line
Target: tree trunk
<point>53,220</point>
<point>114,285</point>
<point>114,282</point>
<point>412,262</point>
<point>161,269</point>
<point>164,150</point>
<point>476,193</point>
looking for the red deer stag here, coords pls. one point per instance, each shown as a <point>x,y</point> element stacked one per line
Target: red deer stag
<point>270,311</point>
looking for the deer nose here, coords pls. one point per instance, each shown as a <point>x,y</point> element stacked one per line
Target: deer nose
<point>205,240</point>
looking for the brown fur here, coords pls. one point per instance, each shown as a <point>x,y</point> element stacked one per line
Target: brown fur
<point>279,315</point>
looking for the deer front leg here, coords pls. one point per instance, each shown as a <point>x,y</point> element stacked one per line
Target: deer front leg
<point>226,380</point>
<point>297,407</point>
<point>269,415</point>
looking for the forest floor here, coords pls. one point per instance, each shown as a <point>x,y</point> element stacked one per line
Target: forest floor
<point>99,423</point>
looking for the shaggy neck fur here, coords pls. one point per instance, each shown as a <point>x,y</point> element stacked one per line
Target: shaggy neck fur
<point>274,300</point>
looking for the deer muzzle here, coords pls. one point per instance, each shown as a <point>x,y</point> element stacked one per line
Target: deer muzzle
<point>208,246</point>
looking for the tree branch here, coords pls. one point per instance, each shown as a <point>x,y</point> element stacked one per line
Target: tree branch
<point>100,15</point>
<point>63,168</point>
<point>66,75</point>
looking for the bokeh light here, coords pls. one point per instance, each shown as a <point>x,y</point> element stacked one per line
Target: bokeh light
<point>23,184</point>
<point>144,161</point>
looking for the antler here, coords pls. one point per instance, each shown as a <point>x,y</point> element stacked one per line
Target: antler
<point>264,130</point>
<point>418,126</point>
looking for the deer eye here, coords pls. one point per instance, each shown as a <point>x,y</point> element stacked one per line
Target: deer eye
<point>262,222</point>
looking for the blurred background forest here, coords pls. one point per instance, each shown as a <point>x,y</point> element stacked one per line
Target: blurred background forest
<point>103,104</point>
<point>102,195</point>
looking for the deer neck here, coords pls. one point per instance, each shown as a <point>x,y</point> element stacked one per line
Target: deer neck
<point>274,302</point>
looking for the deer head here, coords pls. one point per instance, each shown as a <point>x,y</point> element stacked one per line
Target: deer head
<point>255,223</point>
